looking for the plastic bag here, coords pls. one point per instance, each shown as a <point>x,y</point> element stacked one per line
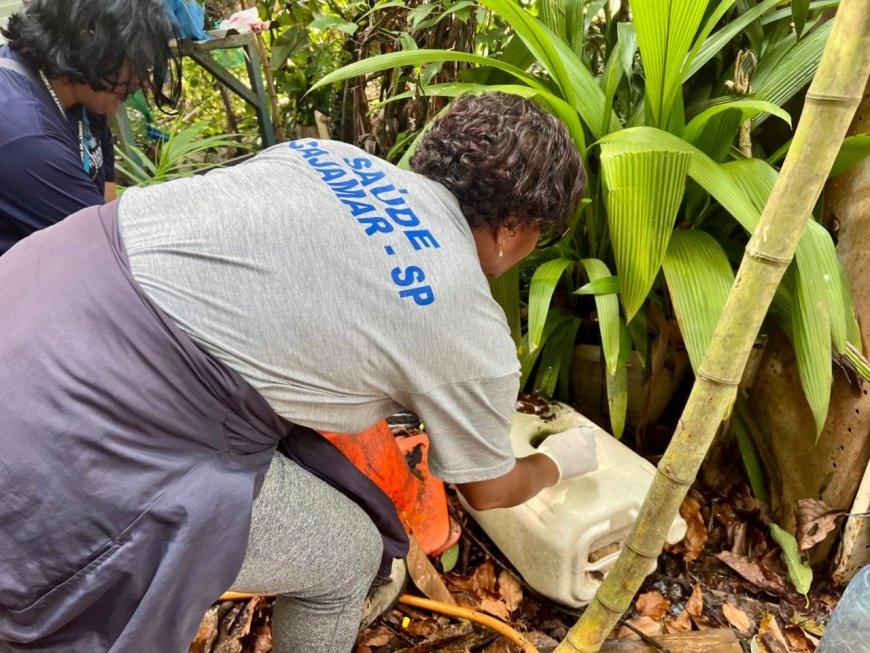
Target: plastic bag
<point>189,18</point>
<point>244,21</point>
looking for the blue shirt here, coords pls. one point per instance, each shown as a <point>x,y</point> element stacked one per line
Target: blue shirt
<point>42,176</point>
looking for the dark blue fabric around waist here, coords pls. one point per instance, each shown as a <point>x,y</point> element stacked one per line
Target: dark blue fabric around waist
<point>130,457</point>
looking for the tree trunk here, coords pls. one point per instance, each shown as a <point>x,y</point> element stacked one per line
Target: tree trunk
<point>830,104</point>
<point>848,203</point>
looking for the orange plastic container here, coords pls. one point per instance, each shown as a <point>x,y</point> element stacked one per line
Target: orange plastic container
<point>399,466</point>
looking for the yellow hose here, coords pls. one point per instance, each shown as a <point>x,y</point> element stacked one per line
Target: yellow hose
<point>437,606</point>
<point>472,615</point>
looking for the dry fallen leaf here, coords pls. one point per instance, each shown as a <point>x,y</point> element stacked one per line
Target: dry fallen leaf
<point>695,609</point>
<point>750,570</point>
<point>235,625</point>
<point>696,533</point>
<point>495,607</point>
<point>736,617</point>
<point>484,577</point>
<point>695,604</point>
<point>207,632</point>
<point>510,590</point>
<point>375,637</point>
<point>501,645</point>
<point>681,624</point>
<point>653,605</point>
<point>425,576</point>
<point>262,640</point>
<point>770,636</point>
<point>808,625</point>
<point>644,624</point>
<point>815,519</point>
<point>800,640</point>
<point>421,627</point>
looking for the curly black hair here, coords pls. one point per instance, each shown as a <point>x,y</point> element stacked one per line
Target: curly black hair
<point>89,41</point>
<point>508,162</point>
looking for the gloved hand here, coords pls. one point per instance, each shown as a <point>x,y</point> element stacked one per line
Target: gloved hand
<point>573,451</point>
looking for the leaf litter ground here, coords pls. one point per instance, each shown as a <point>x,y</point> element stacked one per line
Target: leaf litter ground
<point>727,573</point>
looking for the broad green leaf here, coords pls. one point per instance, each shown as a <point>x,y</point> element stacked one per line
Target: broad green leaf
<point>665,31</point>
<point>506,291</point>
<point>556,317</point>
<point>817,258</point>
<point>799,11</point>
<point>853,331</point>
<point>449,558</point>
<point>747,108</point>
<point>607,307</point>
<point>853,151</point>
<point>617,384</point>
<point>610,79</point>
<point>822,308</point>
<point>753,32</point>
<point>784,13</point>
<point>857,359</point>
<point>643,193</point>
<point>566,69</point>
<point>567,350</point>
<point>821,302</point>
<point>748,451</point>
<point>637,329</point>
<point>538,39</point>
<point>602,286</point>
<point>709,174</point>
<point>544,281</point>
<point>709,26</point>
<point>588,97</point>
<point>554,364</point>
<point>592,10</point>
<point>574,31</point>
<point>742,188</point>
<point>780,80</point>
<point>419,14</point>
<point>715,43</point>
<point>717,137</point>
<point>291,41</point>
<point>628,45</point>
<point>330,22</point>
<point>811,336</point>
<point>699,279</point>
<point>408,42</point>
<point>799,573</point>
<point>419,58</point>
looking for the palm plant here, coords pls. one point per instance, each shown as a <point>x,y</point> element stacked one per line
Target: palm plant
<point>180,155</point>
<point>671,200</point>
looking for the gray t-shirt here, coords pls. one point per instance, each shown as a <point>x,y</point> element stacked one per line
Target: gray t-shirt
<point>341,288</point>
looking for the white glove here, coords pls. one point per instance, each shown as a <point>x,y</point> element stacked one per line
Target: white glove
<point>573,451</point>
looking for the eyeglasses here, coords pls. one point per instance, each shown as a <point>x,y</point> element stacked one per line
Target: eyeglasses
<point>548,238</point>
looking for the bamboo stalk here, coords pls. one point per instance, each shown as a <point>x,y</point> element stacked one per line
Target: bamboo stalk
<point>831,101</point>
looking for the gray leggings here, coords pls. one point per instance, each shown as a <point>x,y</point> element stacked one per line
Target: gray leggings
<point>319,551</point>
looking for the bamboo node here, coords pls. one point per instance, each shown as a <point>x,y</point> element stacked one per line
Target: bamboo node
<point>843,99</point>
<point>642,554</point>
<point>667,474</point>
<point>618,610</point>
<point>764,256</point>
<point>717,379</point>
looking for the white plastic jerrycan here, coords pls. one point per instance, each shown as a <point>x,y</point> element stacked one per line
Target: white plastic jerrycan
<point>564,540</point>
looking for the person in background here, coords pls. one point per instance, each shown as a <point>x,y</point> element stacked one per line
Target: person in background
<point>67,66</point>
<point>157,349</point>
